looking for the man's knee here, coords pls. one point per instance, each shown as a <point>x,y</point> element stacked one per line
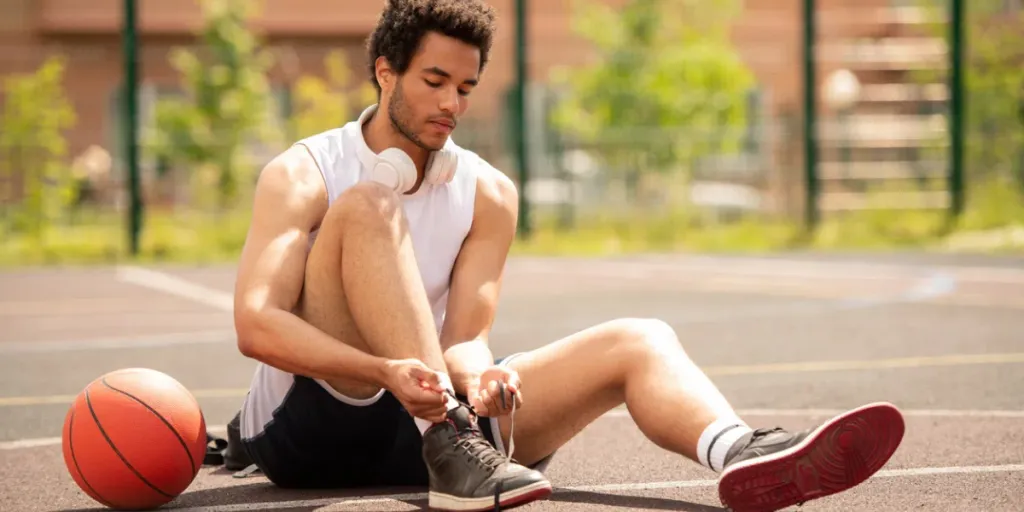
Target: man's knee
<point>371,204</point>
<point>647,337</point>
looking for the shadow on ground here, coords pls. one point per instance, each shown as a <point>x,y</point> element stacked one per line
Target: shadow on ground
<point>265,492</point>
<point>630,502</point>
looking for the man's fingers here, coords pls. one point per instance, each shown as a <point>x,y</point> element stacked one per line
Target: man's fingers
<point>426,397</point>
<point>492,397</point>
<point>502,398</point>
<point>433,417</point>
<point>429,408</point>
<point>428,379</point>
<point>484,398</point>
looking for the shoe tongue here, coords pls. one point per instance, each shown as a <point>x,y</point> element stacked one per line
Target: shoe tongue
<point>462,418</point>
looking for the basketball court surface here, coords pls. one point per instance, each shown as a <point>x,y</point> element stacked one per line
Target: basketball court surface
<point>791,340</point>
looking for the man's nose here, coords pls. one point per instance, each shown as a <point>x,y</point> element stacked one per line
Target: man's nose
<point>450,100</point>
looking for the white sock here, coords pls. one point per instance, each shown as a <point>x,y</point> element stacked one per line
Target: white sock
<point>446,383</point>
<point>716,440</point>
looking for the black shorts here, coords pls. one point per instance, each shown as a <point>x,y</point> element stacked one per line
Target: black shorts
<point>317,440</point>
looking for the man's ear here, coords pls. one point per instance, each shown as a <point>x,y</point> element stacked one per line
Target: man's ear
<point>385,73</point>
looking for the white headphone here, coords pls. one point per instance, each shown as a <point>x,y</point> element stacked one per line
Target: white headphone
<point>394,168</point>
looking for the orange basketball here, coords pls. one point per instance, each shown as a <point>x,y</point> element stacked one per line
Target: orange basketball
<point>134,439</point>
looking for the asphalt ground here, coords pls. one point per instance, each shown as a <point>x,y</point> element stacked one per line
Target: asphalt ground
<point>790,340</point>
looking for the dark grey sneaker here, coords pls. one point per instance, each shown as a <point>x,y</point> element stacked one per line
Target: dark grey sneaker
<point>468,474</point>
<point>771,469</point>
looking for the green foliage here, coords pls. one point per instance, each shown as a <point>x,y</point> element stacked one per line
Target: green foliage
<point>994,79</point>
<point>36,115</point>
<point>193,237</point>
<point>323,104</point>
<point>226,106</point>
<point>666,75</point>
<point>995,82</point>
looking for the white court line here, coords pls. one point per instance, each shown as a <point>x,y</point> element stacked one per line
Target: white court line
<point>172,285</point>
<point>50,441</point>
<point>144,341</point>
<point>799,268</point>
<point>641,486</point>
<point>909,413</point>
<point>623,413</point>
<point>926,286</point>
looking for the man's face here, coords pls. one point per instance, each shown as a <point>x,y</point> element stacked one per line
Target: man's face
<point>426,102</point>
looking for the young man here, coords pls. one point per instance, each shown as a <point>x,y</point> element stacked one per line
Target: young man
<point>369,282</point>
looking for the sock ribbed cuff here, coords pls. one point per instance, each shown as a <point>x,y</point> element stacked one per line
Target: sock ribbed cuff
<point>716,440</point>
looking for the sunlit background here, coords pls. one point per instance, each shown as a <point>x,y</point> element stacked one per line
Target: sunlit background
<point>644,125</point>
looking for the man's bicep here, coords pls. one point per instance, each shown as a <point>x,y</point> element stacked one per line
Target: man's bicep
<point>272,264</point>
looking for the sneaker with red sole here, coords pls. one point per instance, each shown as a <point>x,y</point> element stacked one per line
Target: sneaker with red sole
<point>771,469</point>
<point>467,474</point>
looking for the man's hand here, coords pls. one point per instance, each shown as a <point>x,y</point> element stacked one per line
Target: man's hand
<point>495,392</point>
<point>417,388</point>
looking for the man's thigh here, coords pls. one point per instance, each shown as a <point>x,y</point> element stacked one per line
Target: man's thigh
<point>566,385</point>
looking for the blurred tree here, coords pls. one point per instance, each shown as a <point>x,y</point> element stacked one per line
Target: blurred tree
<point>322,104</point>
<point>226,108</point>
<point>667,87</point>
<point>36,115</point>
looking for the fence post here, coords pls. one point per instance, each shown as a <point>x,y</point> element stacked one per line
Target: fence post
<point>810,118</point>
<point>131,98</point>
<point>519,119</point>
<point>956,108</point>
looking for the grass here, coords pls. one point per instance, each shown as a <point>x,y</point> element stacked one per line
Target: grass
<point>197,238</point>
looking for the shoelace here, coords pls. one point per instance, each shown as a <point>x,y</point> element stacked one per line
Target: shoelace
<point>512,418</point>
<point>512,421</point>
<point>475,445</point>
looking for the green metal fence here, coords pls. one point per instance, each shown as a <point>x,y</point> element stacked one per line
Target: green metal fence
<point>886,126</point>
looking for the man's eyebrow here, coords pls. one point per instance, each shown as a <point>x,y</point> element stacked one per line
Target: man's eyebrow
<point>440,72</point>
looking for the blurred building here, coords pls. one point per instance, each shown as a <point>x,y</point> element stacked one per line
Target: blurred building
<point>874,40</point>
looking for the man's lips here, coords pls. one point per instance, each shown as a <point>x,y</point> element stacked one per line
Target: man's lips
<point>444,124</point>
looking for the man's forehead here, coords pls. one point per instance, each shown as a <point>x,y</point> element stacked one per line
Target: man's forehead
<point>449,55</point>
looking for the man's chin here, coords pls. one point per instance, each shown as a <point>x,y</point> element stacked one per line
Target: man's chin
<point>434,143</point>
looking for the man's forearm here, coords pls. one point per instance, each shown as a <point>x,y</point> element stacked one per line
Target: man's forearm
<point>284,341</point>
<point>466,361</point>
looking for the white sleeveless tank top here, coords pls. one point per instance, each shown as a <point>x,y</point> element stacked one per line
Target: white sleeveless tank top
<point>439,218</point>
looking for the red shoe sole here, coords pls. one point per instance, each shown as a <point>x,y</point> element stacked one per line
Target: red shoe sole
<point>840,454</point>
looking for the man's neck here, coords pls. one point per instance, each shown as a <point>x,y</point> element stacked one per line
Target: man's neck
<point>380,135</point>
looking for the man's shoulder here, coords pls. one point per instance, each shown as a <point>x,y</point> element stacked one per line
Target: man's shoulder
<point>486,174</point>
<point>293,174</point>
<point>494,190</point>
<point>334,139</point>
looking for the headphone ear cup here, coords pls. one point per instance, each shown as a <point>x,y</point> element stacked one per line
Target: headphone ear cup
<point>442,166</point>
<point>395,169</point>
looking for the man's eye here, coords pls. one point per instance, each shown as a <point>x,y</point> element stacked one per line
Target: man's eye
<point>464,93</point>
<point>432,84</point>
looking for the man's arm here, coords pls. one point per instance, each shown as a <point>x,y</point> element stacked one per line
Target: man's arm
<point>290,200</point>
<point>476,281</point>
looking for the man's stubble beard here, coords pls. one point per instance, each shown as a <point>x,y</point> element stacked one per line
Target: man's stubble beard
<point>397,113</point>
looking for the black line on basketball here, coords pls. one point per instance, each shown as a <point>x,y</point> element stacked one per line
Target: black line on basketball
<point>164,420</point>
<point>71,446</point>
<point>118,452</point>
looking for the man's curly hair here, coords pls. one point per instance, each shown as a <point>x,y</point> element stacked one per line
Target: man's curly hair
<point>403,23</point>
